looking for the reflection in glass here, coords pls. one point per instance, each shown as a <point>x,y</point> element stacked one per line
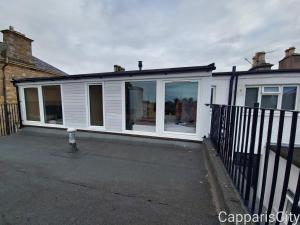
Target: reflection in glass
<point>32,104</point>
<point>251,96</point>
<point>52,104</point>
<point>140,105</point>
<point>181,106</point>
<point>96,105</point>
<point>269,101</point>
<point>289,98</point>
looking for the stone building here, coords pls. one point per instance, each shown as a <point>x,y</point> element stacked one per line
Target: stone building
<point>17,61</point>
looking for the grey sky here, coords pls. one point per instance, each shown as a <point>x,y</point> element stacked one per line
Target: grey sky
<point>82,36</point>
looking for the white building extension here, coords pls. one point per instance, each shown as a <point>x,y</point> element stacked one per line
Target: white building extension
<point>168,103</point>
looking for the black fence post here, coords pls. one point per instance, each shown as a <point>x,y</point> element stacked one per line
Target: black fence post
<point>251,154</point>
<point>266,162</point>
<point>276,163</point>
<point>256,170</point>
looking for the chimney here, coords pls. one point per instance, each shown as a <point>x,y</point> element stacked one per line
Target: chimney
<point>140,65</point>
<point>18,46</point>
<point>118,68</point>
<point>291,59</point>
<point>259,62</point>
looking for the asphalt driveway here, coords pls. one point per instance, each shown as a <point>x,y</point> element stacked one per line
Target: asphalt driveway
<point>111,182</point>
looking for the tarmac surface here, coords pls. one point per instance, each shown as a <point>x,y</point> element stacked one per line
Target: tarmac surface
<point>110,181</point>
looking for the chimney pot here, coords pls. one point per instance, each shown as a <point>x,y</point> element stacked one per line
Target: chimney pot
<point>259,62</point>
<point>118,68</point>
<point>291,51</point>
<point>291,59</point>
<point>18,45</point>
<point>140,65</point>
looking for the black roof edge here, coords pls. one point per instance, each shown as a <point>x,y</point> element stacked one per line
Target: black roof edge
<point>164,71</point>
<point>253,72</point>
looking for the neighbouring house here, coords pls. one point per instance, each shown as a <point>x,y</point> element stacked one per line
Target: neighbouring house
<point>272,89</point>
<point>168,103</point>
<point>17,61</point>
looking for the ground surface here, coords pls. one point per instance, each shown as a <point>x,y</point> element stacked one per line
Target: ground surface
<point>109,182</point>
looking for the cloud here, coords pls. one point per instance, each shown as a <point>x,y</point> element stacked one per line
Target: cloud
<point>82,36</point>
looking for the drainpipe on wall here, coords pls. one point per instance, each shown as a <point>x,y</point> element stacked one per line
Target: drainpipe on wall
<point>19,104</point>
<point>235,86</point>
<point>4,96</point>
<point>231,85</point>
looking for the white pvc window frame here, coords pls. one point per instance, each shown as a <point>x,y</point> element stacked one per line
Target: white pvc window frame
<point>93,127</point>
<point>160,110</point>
<point>41,106</point>
<point>261,93</point>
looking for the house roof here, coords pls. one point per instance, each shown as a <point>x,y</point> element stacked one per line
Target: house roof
<point>131,73</point>
<point>42,65</point>
<point>253,72</point>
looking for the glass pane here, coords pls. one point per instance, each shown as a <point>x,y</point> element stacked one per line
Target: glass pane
<point>212,95</point>
<point>289,98</point>
<point>140,105</point>
<point>181,106</point>
<point>32,104</point>
<point>96,105</point>
<point>271,89</point>
<point>269,101</point>
<point>251,96</point>
<point>52,104</point>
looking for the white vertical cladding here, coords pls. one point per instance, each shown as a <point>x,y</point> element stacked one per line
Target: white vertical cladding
<point>203,113</point>
<point>113,105</point>
<point>74,103</point>
<point>160,101</point>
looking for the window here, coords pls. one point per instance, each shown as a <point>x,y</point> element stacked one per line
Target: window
<point>181,106</point>
<point>32,104</point>
<point>251,96</point>
<point>52,104</point>
<point>213,95</point>
<point>269,97</point>
<point>269,101</point>
<point>96,105</point>
<point>140,105</point>
<point>289,98</point>
<point>274,90</point>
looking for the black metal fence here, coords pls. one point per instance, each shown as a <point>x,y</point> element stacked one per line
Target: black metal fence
<point>9,119</point>
<point>251,143</point>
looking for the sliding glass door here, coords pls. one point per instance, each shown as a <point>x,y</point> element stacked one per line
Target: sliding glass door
<point>52,104</point>
<point>32,104</point>
<point>140,103</point>
<point>181,99</point>
<point>43,105</point>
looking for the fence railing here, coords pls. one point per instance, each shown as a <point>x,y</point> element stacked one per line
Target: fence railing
<point>9,119</point>
<point>257,147</point>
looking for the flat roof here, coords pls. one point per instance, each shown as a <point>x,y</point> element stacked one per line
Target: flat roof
<point>253,72</point>
<point>130,73</point>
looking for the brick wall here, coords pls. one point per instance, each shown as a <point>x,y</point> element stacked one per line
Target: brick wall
<point>14,71</point>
